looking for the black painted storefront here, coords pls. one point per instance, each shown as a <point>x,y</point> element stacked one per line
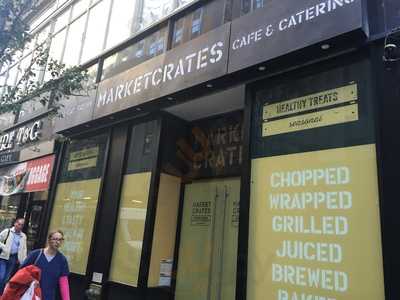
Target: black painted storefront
<point>138,136</point>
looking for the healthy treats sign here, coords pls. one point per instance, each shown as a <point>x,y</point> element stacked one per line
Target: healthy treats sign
<point>314,226</point>
<point>202,59</point>
<point>289,25</point>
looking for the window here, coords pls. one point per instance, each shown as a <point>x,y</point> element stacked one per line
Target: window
<point>156,45</point>
<point>258,4</point>
<point>57,45</point>
<point>154,10</point>
<point>196,22</point>
<point>96,29</point>
<point>128,241</point>
<point>178,32</point>
<point>143,50</point>
<point>62,20</point>
<point>77,196</point>
<point>79,7</point>
<point>74,42</point>
<point>6,120</point>
<point>122,22</point>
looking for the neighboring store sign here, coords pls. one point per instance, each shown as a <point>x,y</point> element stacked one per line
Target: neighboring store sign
<point>315,226</point>
<point>21,136</point>
<point>9,157</point>
<point>289,25</point>
<point>203,59</point>
<point>30,176</point>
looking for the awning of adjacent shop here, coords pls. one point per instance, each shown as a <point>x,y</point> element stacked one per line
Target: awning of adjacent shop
<point>30,176</point>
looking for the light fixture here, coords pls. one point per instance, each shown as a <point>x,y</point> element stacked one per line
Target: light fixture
<point>209,85</point>
<point>262,68</point>
<point>325,46</point>
<point>87,126</point>
<point>138,109</point>
<point>170,98</point>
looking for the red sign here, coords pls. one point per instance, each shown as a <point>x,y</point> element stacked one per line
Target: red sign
<point>39,171</point>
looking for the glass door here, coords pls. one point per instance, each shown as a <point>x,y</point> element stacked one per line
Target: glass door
<point>208,242</point>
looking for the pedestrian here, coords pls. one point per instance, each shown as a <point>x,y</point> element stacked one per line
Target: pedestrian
<point>13,250</point>
<point>54,267</point>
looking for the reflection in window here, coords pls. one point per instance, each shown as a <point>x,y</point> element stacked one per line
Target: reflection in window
<point>3,78</point>
<point>128,239</point>
<point>154,10</point>
<point>143,50</point>
<point>8,210</point>
<point>6,120</point>
<point>12,76</point>
<point>196,22</point>
<point>74,42</point>
<point>245,7</point>
<point>178,32</point>
<point>57,45</point>
<point>96,30</point>
<point>79,7</point>
<point>29,109</point>
<point>62,20</point>
<point>122,22</point>
<point>258,4</point>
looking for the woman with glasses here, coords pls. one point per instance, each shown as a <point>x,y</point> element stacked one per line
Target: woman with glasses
<point>54,267</point>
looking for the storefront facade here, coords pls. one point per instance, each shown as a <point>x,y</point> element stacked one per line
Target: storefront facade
<point>27,164</point>
<point>248,159</point>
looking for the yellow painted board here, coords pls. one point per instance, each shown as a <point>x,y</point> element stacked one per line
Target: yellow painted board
<point>348,113</point>
<point>74,213</point>
<point>319,100</point>
<point>85,153</point>
<point>82,164</point>
<point>314,227</point>
<point>128,239</point>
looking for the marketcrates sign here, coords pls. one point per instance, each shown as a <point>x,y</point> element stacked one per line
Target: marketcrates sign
<point>203,59</point>
<point>289,25</point>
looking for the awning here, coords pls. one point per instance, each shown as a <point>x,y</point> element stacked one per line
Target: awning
<point>30,176</point>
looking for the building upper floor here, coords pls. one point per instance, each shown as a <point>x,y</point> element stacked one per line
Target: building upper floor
<point>111,36</point>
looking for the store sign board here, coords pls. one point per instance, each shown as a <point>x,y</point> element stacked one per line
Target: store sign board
<point>9,157</point>
<point>30,176</point>
<point>200,60</point>
<point>75,111</point>
<point>333,116</point>
<point>310,102</point>
<point>315,226</point>
<point>25,135</point>
<point>290,25</point>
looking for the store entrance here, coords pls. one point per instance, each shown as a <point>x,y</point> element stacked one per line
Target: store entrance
<point>208,240</point>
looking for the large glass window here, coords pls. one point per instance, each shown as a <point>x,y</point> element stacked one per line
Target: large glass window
<point>198,22</point>
<point>8,210</point>
<point>77,197</point>
<point>128,239</point>
<point>74,42</point>
<point>95,33</point>
<point>122,22</point>
<point>6,120</point>
<point>145,49</point>
<point>154,10</point>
